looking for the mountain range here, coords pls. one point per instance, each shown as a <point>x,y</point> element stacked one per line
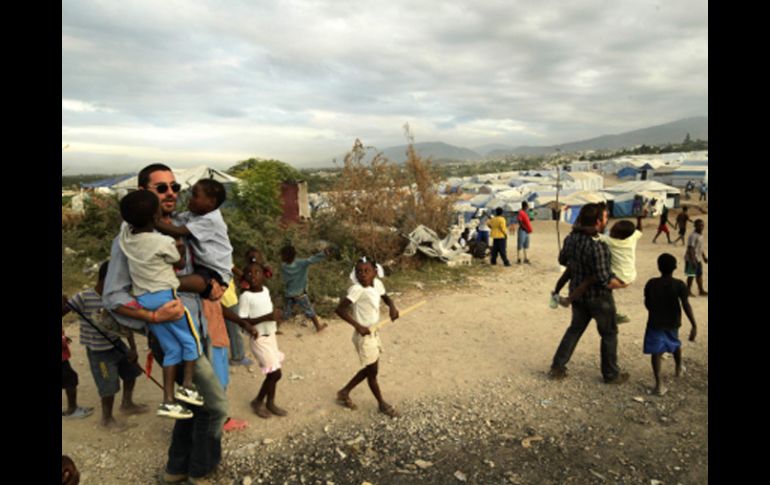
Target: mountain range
<point>673,132</point>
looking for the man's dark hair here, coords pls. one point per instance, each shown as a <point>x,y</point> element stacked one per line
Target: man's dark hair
<point>684,208</point>
<point>622,230</point>
<point>524,205</point>
<point>589,214</point>
<point>144,174</point>
<point>103,270</point>
<point>213,189</point>
<point>699,221</point>
<point>139,208</point>
<point>499,211</point>
<point>666,264</point>
<point>288,252</point>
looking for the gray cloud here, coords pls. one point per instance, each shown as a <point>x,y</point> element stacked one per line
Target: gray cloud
<point>300,80</point>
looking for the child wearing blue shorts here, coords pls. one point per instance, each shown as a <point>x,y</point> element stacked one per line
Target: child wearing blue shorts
<point>662,298</point>
<point>150,258</point>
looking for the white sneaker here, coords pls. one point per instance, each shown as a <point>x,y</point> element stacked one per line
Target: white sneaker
<point>174,411</point>
<point>188,395</point>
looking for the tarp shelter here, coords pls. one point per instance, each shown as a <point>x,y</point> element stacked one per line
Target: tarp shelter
<point>481,200</point>
<point>627,172</point>
<point>185,177</point>
<point>685,173</point>
<point>582,180</point>
<point>580,166</point>
<point>426,241</point>
<point>492,188</point>
<point>640,186</point>
<point>106,183</point>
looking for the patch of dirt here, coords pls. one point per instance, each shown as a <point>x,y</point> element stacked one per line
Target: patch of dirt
<point>468,373</point>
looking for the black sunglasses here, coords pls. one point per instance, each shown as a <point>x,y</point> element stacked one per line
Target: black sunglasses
<point>162,188</point>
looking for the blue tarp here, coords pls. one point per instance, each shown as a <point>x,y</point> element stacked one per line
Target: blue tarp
<point>571,213</point>
<point>106,182</point>
<point>627,172</point>
<point>623,209</point>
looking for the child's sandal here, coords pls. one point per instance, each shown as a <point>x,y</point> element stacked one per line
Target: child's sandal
<point>345,401</point>
<point>389,410</point>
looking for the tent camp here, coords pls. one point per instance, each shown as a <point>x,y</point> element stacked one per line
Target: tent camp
<point>582,180</point>
<point>186,177</point>
<point>624,195</point>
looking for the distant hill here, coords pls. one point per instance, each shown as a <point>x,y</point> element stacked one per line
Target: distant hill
<point>674,132</point>
<point>436,150</point>
<point>487,149</point>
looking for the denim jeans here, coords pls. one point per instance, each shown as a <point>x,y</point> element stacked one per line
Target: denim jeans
<point>499,246</point>
<point>603,310</point>
<point>236,340</point>
<point>196,443</point>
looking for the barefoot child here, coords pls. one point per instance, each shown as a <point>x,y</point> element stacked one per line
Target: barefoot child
<point>363,299</point>
<point>150,257</point>
<point>207,231</point>
<point>109,358</point>
<point>294,275</point>
<point>69,381</point>
<point>256,308</point>
<point>662,298</point>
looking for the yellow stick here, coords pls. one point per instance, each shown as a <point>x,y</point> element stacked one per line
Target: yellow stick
<point>379,324</point>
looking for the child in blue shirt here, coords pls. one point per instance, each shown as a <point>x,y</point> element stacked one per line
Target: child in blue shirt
<point>294,273</point>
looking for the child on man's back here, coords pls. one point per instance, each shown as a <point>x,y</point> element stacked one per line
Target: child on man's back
<point>150,257</point>
<point>622,242</point>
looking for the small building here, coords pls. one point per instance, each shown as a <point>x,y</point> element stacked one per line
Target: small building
<point>294,202</point>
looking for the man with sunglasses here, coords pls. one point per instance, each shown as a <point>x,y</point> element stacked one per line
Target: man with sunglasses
<point>196,444</point>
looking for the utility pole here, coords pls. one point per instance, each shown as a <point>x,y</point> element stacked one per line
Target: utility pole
<point>558,188</point>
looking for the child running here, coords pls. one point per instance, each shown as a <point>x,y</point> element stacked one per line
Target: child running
<point>364,298</point>
<point>256,308</point>
<point>664,298</point>
<point>294,274</point>
<point>207,230</point>
<point>150,258</point>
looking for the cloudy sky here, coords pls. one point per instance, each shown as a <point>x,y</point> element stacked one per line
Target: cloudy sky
<point>190,82</point>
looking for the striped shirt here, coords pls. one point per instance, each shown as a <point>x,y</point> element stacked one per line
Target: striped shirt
<point>89,302</point>
<point>587,256</point>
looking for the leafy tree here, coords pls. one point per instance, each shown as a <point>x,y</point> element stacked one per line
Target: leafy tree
<point>259,193</point>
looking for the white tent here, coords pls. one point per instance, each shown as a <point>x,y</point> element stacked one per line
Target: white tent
<point>583,181</point>
<point>638,186</point>
<point>186,177</point>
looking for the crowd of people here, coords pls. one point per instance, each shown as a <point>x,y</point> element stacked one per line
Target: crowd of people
<point>172,277</point>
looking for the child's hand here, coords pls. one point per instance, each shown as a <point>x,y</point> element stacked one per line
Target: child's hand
<point>216,291</point>
<point>693,333</point>
<point>254,332</point>
<point>277,314</point>
<point>393,313</point>
<point>363,331</point>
